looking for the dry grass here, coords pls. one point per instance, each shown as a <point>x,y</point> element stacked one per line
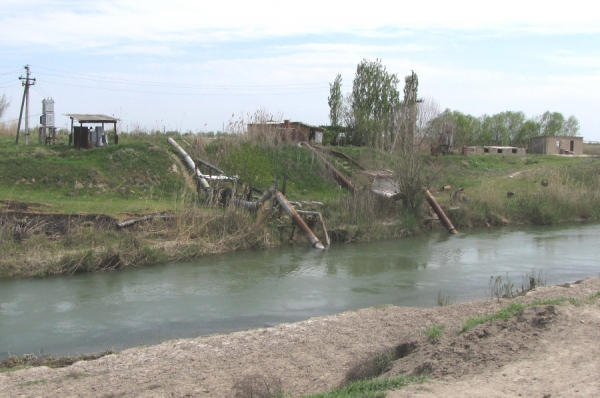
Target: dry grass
<point>542,197</point>
<point>8,128</point>
<point>591,149</point>
<point>258,386</point>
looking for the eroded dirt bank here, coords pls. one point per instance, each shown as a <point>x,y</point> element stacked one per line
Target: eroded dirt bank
<point>549,351</point>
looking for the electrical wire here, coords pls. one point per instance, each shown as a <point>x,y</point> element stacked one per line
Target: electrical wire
<point>287,92</point>
<point>11,85</point>
<point>8,73</point>
<point>41,90</point>
<point>17,119</point>
<point>170,84</point>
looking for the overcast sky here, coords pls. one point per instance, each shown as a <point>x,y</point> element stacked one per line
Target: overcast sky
<point>190,67</point>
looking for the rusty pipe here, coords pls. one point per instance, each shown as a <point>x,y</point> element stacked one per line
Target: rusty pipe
<point>440,213</point>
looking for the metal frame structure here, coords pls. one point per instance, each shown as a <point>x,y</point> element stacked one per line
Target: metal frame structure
<point>92,119</point>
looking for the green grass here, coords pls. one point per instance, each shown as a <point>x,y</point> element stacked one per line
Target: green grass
<point>372,388</point>
<point>558,301</point>
<point>435,332</point>
<point>516,309</point>
<point>145,175</point>
<point>132,177</point>
<point>505,314</point>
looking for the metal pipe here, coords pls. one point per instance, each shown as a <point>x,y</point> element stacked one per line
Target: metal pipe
<point>191,165</point>
<point>320,217</point>
<point>342,179</point>
<point>254,205</point>
<point>298,221</point>
<point>440,213</point>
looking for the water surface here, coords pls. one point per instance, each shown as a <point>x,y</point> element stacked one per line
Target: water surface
<point>237,291</point>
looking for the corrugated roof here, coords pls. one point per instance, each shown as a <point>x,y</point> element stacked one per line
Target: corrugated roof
<point>92,118</point>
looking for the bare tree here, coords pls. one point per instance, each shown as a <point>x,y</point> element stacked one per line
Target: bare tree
<point>428,111</point>
<point>414,133</point>
<point>4,104</point>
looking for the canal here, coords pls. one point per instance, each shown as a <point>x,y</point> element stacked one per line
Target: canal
<point>72,315</point>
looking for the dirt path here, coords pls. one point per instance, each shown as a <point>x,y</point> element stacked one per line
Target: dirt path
<point>548,351</point>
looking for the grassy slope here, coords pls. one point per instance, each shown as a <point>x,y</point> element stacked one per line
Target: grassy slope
<point>131,178</point>
<point>144,174</point>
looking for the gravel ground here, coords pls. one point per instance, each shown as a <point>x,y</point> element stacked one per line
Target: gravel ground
<point>548,351</point>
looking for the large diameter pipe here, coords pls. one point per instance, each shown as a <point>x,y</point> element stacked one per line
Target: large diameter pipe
<point>191,165</point>
<point>254,205</point>
<point>440,213</point>
<point>296,219</point>
<point>320,216</point>
<point>342,179</point>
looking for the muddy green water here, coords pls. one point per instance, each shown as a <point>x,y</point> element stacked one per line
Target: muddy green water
<point>237,291</point>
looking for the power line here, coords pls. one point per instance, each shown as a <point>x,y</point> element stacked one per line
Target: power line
<point>170,84</point>
<point>8,81</point>
<point>30,117</point>
<point>186,94</point>
<point>41,90</point>
<point>9,73</point>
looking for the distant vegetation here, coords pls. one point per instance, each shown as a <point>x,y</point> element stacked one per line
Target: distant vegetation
<point>59,206</point>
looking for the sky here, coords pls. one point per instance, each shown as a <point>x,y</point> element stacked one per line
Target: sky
<point>182,65</point>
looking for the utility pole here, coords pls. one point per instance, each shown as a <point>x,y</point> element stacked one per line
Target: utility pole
<point>26,83</point>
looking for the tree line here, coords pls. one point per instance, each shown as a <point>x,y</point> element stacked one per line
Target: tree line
<point>506,128</point>
<point>375,114</point>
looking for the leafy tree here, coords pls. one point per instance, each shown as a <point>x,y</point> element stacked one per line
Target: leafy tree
<point>375,100</point>
<point>571,127</point>
<point>551,123</point>
<point>336,101</point>
<point>529,129</point>
<point>4,104</point>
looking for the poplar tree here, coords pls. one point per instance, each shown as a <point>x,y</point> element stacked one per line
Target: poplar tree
<point>335,101</point>
<point>375,101</point>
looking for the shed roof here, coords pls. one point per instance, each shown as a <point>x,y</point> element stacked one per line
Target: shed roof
<point>92,118</point>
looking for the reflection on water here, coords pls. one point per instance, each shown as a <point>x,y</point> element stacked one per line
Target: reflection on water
<point>222,293</point>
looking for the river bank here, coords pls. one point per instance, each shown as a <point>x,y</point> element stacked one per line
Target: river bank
<point>59,206</point>
<point>547,350</point>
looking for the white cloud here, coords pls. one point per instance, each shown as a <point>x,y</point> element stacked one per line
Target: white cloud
<point>90,24</point>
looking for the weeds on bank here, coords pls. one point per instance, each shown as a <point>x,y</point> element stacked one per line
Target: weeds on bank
<point>504,287</point>
<point>505,314</point>
<point>14,362</point>
<point>371,388</point>
<point>516,309</point>
<point>545,191</point>
<point>435,332</point>
<point>371,366</point>
<point>258,386</point>
<point>443,299</point>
